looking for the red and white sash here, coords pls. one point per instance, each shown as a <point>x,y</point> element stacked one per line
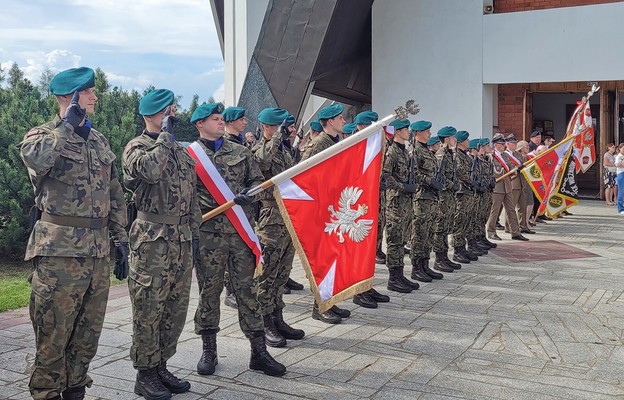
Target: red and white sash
<point>216,186</point>
<point>513,158</point>
<point>499,158</point>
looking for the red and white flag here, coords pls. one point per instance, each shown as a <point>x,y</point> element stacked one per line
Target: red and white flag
<point>540,172</point>
<point>331,211</point>
<point>582,127</point>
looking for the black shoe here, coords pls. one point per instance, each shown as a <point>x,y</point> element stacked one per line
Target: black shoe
<point>491,244</point>
<point>407,282</point>
<point>470,255</point>
<point>499,226</point>
<point>364,300</point>
<point>474,249</point>
<point>292,285</point>
<point>450,263</point>
<point>520,237</point>
<point>396,284</point>
<point>172,382</point>
<point>529,231</point>
<point>230,300</point>
<point>494,236</point>
<point>272,337</point>
<point>208,361</point>
<point>440,263</point>
<point>287,331</point>
<point>341,312</point>
<point>286,289</point>
<point>483,244</point>
<point>73,394</point>
<point>261,360</point>
<point>460,256</point>
<point>378,297</point>
<point>328,316</point>
<point>417,272</point>
<point>429,271</point>
<point>148,385</point>
<point>380,257</point>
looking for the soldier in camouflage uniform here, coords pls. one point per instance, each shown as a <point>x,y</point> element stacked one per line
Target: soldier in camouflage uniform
<point>463,198</point>
<point>332,122</point>
<point>78,193</point>
<point>443,225</point>
<point>273,156</point>
<point>221,247</point>
<point>424,203</point>
<point>475,248</point>
<point>483,176</point>
<point>161,175</point>
<point>399,191</point>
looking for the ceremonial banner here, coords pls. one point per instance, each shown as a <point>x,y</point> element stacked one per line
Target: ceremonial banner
<point>539,172</point>
<point>581,126</point>
<point>566,195</point>
<point>331,211</point>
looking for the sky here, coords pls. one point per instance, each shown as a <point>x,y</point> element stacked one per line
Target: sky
<point>169,44</point>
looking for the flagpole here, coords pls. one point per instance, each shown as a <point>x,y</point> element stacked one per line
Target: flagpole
<point>360,136</point>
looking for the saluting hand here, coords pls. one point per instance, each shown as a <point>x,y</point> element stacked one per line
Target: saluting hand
<point>74,114</point>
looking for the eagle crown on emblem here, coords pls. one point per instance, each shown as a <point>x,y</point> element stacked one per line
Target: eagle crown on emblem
<point>343,221</point>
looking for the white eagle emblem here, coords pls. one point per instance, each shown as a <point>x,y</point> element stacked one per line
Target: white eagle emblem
<point>344,220</point>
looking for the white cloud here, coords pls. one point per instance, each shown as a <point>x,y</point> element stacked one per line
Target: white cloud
<point>219,94</point>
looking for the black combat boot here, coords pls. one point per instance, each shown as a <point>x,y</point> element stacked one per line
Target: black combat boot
<point>271,334</point>
<point>407,282</point>
<point>380,257</point>
<point>341,312</point>
<point>364,300</point>
<point>74,393</point>
<point>261,360</point>
<point>475,243</point>
<point>396,284</point>
<point>460,255</point>
<point>486,241</point>
<point>328,316</point>
<point>450,263</point>
<point>429,271</point>
<point>440,263</point>
<point>469,254</point>
<point>292,285</point>
<point>149,385</point>
<point>378,297</point>
<point>287,331</point>
<point>482,244</point>
<point>474,249</point>
<point>172,382</point>
<point>417,271</point>
<point>208,361</point>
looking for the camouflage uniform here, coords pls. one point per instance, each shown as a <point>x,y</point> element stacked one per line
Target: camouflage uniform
<point>464,199</point>
<point>321,142</point>
<point>473,213</point>
<point>424,202</point>
<point>221,247</point>
<point>161,175</point>
<point>443,225</point>
<point>277,247</point>
<point>77,189</point>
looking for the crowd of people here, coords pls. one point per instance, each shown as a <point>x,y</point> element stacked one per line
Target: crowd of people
<point>433,187</point>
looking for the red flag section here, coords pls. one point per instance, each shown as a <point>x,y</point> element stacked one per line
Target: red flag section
<point>540,172</point>
<point>331,211</point>
<point>581,125</point>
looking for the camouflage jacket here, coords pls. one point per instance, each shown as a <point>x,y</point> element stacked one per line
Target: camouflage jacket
<point>233,138</point>
<point>447,161</point>
<point>425,165</point>
<point>239,170</point>
<point>73,178</point>
<point>396,170</point>
<point>161,175</point>
<point>272,158</point>
<point>464,162</point>
<point>321,142</point>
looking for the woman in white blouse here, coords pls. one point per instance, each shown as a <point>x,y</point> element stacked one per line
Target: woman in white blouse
<point>619,180</point>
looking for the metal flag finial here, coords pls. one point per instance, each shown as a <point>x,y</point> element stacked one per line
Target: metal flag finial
<point>410,108</point>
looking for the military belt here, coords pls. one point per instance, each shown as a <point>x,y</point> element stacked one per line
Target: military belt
<point>76,222</point>
<point>163,219</point>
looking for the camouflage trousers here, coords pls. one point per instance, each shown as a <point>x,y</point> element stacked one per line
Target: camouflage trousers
<point>218,252</point>
<point>462,218</point>
<point>484,203</point>
<point>443,225</point>
<point>159,284</point>
<point>398,209</point>
<point>67,307</point>
<point>424,213</point>
<point>278,253</point>
<point>381,223</point>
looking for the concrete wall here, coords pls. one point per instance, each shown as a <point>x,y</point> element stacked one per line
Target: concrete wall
<point>434,56</point>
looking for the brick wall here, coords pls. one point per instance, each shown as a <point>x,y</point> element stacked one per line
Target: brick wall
<point>510,108</point>
<point>505,6</point>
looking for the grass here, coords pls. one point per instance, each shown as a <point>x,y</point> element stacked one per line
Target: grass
<point>14,286</point>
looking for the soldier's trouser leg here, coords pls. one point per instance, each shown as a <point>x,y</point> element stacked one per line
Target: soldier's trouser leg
<point>497,201</point>
<point>397,210</point>
<point>67,307</point>
<point>159,284</point>
<point>278,254</point>
<point>472,218</point>
<point>521,210</point>
<point>422,232</point>
<point>444,221</point>
<point>381,224</point>
<point>219,251</point>
<point>515,200</point>
<point>461,217</point>
<point>510,212</point>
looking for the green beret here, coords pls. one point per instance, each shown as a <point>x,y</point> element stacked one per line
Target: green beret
<point>433,140</point>
<point>273,116</point>
<point>233,113</point>
<point>331,111</point>
<point>462,136</point>
<point>473,144</point>
<point>349,128</point>
<point>484,142</point>
<point>155,101</point>
<point>420,126</point>
<point>72,80</point>
<point>400,123</point>
<point>316,126</point>
<point>447,131</point>
<point>205,111</point>
<point>366,117</point>
<point>290,120</point>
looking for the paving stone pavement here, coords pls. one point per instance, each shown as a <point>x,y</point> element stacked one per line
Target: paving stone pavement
<point>546,325</point>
